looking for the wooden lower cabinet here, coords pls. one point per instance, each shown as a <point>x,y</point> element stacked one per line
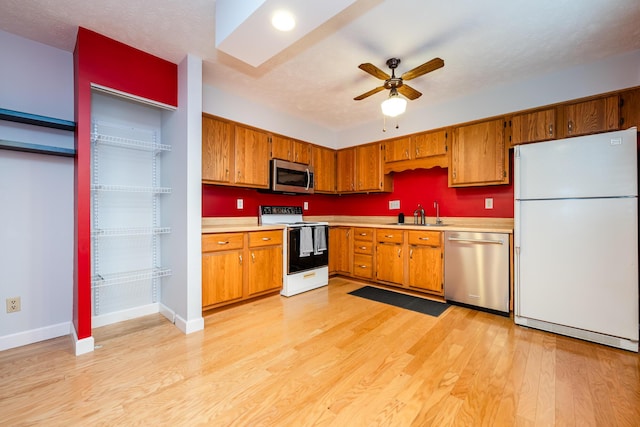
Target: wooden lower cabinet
<point>340,259</point>
<point>389,263</point>
<point>409,259</point>
<point>238,266</point>
<point>265,270</point>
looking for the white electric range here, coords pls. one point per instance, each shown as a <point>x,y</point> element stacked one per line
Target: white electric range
<point>305,249</point>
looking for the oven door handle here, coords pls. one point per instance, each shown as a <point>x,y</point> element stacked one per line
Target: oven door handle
<point>308,179</point>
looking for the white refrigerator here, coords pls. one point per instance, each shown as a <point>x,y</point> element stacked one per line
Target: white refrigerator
<point>576,237</point>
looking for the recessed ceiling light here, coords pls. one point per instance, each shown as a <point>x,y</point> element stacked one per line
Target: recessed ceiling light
<point>283,20</point>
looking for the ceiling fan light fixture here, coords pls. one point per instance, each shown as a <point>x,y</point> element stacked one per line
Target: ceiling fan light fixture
<point>283,20</point>
<point>394,105</point>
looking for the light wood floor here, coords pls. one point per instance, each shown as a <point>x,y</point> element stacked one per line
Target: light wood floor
<point>322,358</point>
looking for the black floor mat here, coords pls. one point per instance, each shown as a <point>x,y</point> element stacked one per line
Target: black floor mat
<point>421,305</point>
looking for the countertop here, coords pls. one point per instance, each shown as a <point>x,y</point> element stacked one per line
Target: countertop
<point>485,225</point>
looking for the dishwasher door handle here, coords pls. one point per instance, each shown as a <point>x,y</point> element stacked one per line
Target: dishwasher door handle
<point>457,239</point>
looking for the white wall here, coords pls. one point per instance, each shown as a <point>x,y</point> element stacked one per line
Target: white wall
<point>36,195</point>
<point>223,104</point>
<point>182,129</point>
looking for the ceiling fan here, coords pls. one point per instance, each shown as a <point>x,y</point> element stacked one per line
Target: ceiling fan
<point>396,84</point>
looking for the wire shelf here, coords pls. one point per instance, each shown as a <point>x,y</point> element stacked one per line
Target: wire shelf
<point>130,231</point>
<point>103,280</point>
<point>131,189</point>
<point>136,144</point>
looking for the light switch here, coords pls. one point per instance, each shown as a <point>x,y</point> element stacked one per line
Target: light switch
<point>305,206</point>
<point>488,203</point>
<point>240,204</point>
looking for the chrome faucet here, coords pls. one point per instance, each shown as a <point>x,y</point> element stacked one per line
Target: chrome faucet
<point>437,206</point>
<point>418,215</point>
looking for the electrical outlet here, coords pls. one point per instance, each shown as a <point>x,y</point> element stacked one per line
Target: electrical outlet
<point>488,203</point>
<point>13,304</point>
<point>394,204</point>
<point>305,206</point>
<point>239,204</point>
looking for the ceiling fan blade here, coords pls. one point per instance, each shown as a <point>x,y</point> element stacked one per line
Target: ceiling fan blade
<point>366,94</point>
<point>374,71</point>
<point>425,68</point>
<point>409,92</point>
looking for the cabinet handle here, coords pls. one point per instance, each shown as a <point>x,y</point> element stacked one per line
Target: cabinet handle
<point>363,234</point>
<point>411,253</point>
<point>570,126</point>
<point>551,129</point>
<point>223,243</point>
<point>227,172</point>
<point>266,239</point>
<point>423,238</point>
<point>399,252</point>
<point>240,256</point>
<point>253,257</point>
<point>388,236</point>
<point>406,154</point>
<point>348,232</point>
<point>417,152</point>
<point>362,266</point>
<point>363,247</point>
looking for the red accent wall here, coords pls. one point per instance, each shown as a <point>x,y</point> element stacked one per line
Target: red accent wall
<point>101,60</point>
<point>410,187</point>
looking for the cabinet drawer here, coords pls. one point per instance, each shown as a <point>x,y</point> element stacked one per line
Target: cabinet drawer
<point>360,233</point>
<point>222,241</point>
<point>265,238</point>
<point>363,266</point>
<point>360,247</point>
<point>425,238</point>
<point>388,235</point>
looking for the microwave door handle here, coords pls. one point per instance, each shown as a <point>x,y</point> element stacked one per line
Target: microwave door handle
<point>308,179</point>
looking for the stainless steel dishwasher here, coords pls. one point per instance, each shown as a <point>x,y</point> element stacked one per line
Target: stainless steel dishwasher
<point>476,269</point>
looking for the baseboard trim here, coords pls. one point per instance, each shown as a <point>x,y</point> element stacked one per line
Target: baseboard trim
<point>120,316</point>
<point>34,335</point>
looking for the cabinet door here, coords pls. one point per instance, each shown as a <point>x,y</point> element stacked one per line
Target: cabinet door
<point>345,169</point>
<point>221,277</point>
<point>369,173</point>
<point>217,150</point>
<point>428,144</point>
<point>533,127</point>
<point>478,155</point>
<point>281,148</point>
<point>251,157</point>
<point>265,269</point>
<point>301,152</point>
<point>324,170</point>
<point>397,149</point>
<point>598,115</point>
<point>339,248</point>
<point>630,109</point>
<point>425,268</point>
<point>389,263</point>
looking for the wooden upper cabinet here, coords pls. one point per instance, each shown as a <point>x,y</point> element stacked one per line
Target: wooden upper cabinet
<point>533,126</point>
<point>251,152</point>
<point>280,147</point>
<point>346,169</point>
<point>323,161</point>
<point>290,149</point>
<point>593,116</point>
<point>630,108</point>
<point>398,149</point>
<point>301,152</point>
<point>369,168</point>
<point>428,144</point>
<point>217,150</point>
<point>478,155</point>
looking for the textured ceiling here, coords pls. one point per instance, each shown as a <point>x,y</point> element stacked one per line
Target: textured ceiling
<point>483,43</point>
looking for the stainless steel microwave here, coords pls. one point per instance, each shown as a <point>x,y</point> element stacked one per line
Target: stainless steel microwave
<point>290,177</point>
